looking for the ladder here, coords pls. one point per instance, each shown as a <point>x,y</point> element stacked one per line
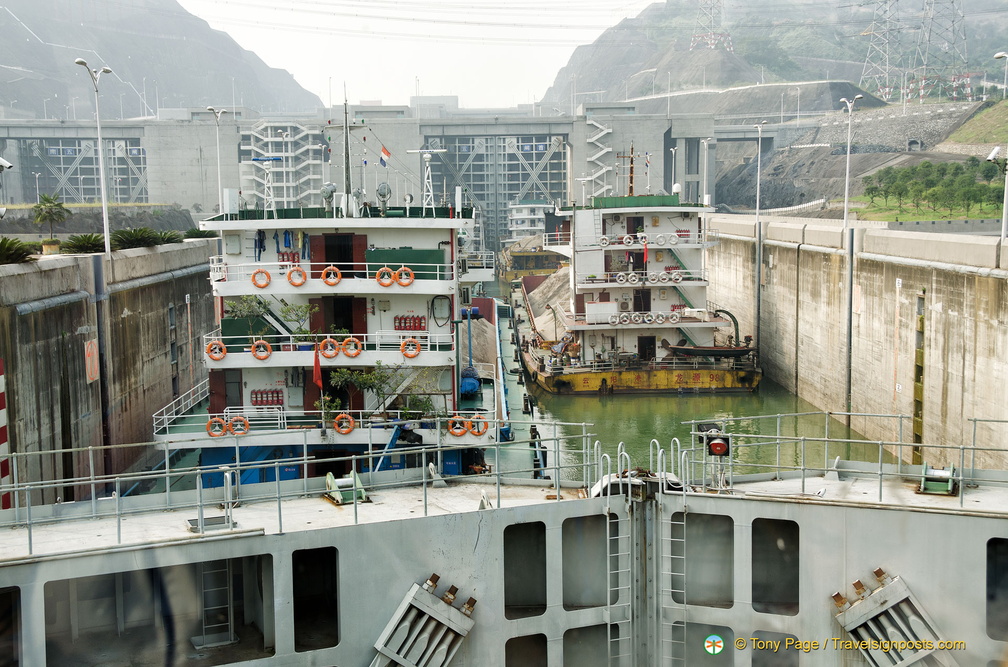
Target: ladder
<point>672,580</point>
<point>217,605</point>
<point>619,557</point>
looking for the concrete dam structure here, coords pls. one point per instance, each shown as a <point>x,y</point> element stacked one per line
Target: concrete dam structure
<point>926,311</point>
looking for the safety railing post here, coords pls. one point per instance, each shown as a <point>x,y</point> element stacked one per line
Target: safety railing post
<point>28,505</point>
<point>423,481</point>
<point>91,476</point>
<point>199,503</point>
<point>276,479</point>
<point>118,511</point>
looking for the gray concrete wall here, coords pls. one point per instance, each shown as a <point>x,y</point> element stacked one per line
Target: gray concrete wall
<point>964,303</point>
<point>50,309</point>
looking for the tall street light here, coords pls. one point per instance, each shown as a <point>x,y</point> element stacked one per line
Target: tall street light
<point>797,120</point>
<point>95,75</point>
<point>38,197</point>
<point>220,193</point>
<point>1002,164</point>
<point>673,150</point>
<point>1003,55</point>
<point>706,149</point>
<point>759,232</point>
<point>45,110</point>
<point>849,240</point>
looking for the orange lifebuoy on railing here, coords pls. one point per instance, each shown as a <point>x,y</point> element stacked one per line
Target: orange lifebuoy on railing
<point>410,348</point>
<point>297,276</point>
<point>261,350</point>
<point>238,425</point>
<point>329,348</point>
<point>457,426</point>
<point>352,347</point>
<point>404,276</point>
<point>331,276</point>
<point>216,427</point>
<point>264,274</point>
<point>478,425</point>
<point>343,423</point>
<point>385,276</point>
<point>216,350</point>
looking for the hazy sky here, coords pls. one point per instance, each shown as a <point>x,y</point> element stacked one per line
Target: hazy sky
<point>488,52</point>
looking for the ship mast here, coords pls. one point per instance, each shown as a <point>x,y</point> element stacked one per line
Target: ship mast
<point>631,157</point>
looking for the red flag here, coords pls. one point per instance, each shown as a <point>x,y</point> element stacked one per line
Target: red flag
<point>317,375</point>
<point>645,255</point>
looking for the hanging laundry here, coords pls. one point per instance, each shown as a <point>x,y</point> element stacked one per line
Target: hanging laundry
<point>305,247</point>
<point>287,238</point>
<point>276,239</point>
<point>259,244</point>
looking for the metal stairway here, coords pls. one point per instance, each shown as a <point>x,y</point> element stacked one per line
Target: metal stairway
<point>217,604</point>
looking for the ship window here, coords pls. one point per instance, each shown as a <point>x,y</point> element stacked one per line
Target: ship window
<point>710,545</point>
<point>700,644</point>
<point>584,562</point>
<point>586,646</point>
<point>527,650</point>
<point>316,598</point>
<point>775,566</point>
<point>10,626</point>
<point>525,570</point>
<point>997,588</point>
<point>768,649</point>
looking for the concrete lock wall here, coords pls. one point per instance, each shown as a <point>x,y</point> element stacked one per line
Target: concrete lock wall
<point>58,313</point>
<point>950,281</point>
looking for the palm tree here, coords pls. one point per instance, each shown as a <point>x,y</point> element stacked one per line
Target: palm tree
<point>50,209</point>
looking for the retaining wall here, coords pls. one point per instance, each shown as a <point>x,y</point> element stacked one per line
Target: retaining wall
<point>952,281</point>
<point>61,313</point>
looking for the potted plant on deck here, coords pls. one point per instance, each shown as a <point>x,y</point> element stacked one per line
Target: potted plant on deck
<point>51,210</point>
<point>299,317</point>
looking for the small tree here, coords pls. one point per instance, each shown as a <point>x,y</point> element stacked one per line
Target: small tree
<point>50,210</point>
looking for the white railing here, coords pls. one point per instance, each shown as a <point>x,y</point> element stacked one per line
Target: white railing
<point>264,273</point>
<point>336,345</point>
<point>483,259</point>
<point>668,278</point>
<point>181,405</point>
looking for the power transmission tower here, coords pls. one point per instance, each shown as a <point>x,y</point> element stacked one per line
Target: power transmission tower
<point>708,31</point>
<point>941,47</point>
<point>884,60</point>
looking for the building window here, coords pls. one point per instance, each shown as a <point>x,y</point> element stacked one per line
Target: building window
<point>775,566</point>
<point>525,570</point>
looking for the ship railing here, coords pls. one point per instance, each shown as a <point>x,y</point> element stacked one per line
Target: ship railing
<point>629,361</point>
<point>654,241</point>
<point>181,406</point>
<point>483,259</point>
<point>667,276</point>
<point>381,340</point>
<point>556,239</point>
<point>174,483</point>
<point>810,445</point>
<point>223,271</point>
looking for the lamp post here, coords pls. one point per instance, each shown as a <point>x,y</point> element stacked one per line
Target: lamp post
<point>849,240</point>
<point>95,75</point>
<point>1003,55</point>
<point>45,110</point>
<point>706,148</point>
<point>73,105</point>
<point>283,160</point>
<point>38,197</point>
<point>673,150</point>
<point>797,120</point>
<point>1002,164</point>
<point>759,231</point>
<point>220,193</point>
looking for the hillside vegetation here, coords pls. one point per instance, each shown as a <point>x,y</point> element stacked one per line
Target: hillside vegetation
<point>990,126</point>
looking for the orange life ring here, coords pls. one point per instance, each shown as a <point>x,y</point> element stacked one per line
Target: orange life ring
<point>410,348</point>
<point>301,276</point>
<point>404,276</point>
<point>216,350</point>
<point>266,280</point>
<point>238,425</point>
<point>457,426</point>
<point>331,276</point>
<point>329,348</point>
<point>261,350</point>
<point>478,425</point>
<point>385,276</point>
<point>343,423</point>
<point>216,427</point>
<point>352,347</point>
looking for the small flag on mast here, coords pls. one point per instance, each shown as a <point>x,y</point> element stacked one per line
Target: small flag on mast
<point>385,155</point>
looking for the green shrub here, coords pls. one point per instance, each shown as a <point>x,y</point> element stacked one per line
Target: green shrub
<point>81,244</point>
<point>140,237</point>
<point>166,236</point>
<point>13,251</point>
<point>196,233</point>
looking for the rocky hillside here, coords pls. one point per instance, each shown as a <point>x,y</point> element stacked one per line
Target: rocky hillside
<point>156,49</point>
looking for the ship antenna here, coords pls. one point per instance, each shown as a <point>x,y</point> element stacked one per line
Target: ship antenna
<point>346,153</point>
<point>631,157</point>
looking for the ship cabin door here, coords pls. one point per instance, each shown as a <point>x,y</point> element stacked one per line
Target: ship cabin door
<point>646,348</point>
<point>641,300</point>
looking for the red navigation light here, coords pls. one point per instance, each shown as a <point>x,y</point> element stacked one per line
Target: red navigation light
<point>718,445</point>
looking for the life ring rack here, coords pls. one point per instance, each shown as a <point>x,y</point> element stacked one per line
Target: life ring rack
<point>216,350</point>
<point>344,423</point>
<point>404,276</point>
<point>261,273</point>
<point>385,276</point>
<point>458,426</point>
<point>296,276</point>
<point>238,425</point>
<point>352,346</point>
<point>261,350</point>
<point>329,348</point>
<point>331,276</point>
<point>410,348</point>
<point>478,425</point>
<point>216,427</point>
